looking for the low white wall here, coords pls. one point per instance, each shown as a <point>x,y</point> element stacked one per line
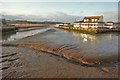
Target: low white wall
<point>76,25</point>
<point>108,26</point>
<point>84,26</point>
<point>93,26</point>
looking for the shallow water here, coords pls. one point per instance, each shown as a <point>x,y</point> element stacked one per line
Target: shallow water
<point>105,43</point>
<point>22,33</point>
<point>100,44</point>
<point>91,47</point>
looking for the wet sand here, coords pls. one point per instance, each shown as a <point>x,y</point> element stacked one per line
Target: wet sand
<point>27,63</point>
<point>34,60</point>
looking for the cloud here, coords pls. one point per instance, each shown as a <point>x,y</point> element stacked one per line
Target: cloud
<point>57,16</point>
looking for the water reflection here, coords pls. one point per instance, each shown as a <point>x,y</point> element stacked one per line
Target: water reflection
<point>22,34</point>
<point>85,37</point>
<point>88,43</point>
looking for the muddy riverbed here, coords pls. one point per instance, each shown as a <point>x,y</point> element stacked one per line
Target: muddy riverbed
<point>98,53</point>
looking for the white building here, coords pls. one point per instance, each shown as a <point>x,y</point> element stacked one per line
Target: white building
<point>108,24</point>
<point>62,24</point>
<point>90,22</point>
<point>57,25</point>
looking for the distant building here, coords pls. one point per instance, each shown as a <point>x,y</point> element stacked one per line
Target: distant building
<point>63,24</point>
<point>57,25</point>
<point>92,22</point>
<point>108,24</point>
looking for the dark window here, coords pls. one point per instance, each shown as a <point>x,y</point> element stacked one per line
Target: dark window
<point>85,24</point>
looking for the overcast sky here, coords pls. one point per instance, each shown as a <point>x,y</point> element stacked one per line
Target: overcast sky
<point>58,11</point>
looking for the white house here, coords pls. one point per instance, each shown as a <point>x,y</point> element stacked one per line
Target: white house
<point>108,24</point>
<point>90,22</point>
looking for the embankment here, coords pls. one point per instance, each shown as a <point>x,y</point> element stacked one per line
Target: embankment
<point>91,30</point>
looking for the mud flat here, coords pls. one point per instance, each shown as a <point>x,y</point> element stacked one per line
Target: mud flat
<point>27,63</point>
<point>69,51</point>
<point>37,55</point>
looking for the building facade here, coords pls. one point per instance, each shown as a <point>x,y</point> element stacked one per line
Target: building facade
<point>90,22</point>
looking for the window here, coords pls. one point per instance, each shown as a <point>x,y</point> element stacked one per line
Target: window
<point>86,25</point>
<point>92,20</point>
<point>95,19</point>
<point>94,24</point>
<point>87,19</point>
<point>84,20</point>
<point>82,24</point>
